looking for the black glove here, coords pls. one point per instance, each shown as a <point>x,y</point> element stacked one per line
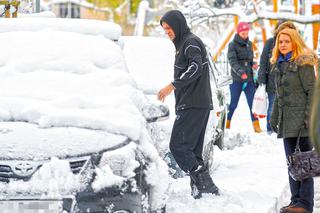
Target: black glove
<point>306,123</point>
<point>274,126</point>
<point>256,84</point>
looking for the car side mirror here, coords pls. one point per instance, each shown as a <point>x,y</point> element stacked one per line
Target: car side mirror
<point>155,112</point>
<point>225,81</point>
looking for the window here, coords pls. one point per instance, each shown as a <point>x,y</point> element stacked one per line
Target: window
<point>66,8</point>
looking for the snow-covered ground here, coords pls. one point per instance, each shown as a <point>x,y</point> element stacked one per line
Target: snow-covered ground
<point>251,173</point>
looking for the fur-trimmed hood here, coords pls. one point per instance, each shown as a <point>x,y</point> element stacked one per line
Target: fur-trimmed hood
<point>309,59</point>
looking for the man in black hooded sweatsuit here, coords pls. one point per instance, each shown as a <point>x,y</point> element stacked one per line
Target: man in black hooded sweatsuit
<point>192,91</point>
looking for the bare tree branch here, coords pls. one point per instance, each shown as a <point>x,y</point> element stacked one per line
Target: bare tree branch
<point>303,19</point>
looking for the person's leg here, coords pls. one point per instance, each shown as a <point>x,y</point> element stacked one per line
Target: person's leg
<point>306,190</point>
<point>184,137</point>
<point>235,92</point>
<point>289,146</point>
<point>270,105</point>
<point>249,92</point>
<point>302,192</point>
<point>199,147</point>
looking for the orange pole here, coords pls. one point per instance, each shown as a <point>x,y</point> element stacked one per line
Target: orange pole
<point>223,45</point>
<point>296,6</point>
<point>315,26</point>
<point>263,30</point>
<point>226,41</point>
<point>275,10</point>
<point>236,21</point>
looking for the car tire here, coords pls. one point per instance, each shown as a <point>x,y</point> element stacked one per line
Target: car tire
<point>208,154</point>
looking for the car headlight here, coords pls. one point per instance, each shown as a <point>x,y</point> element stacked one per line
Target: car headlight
<point>115,167</point>
<point>122,161</point>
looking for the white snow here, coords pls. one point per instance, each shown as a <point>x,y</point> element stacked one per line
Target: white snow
<point>83,26</point>
<point>73,86</point>
<point>149,66</point>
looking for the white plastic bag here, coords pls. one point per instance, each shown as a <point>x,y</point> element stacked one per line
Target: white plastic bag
<point>260,102</point>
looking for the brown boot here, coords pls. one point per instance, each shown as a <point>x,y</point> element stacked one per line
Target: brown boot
<point>7,12</point>
<point>256,126</point>
<point>284,208</point>
<point>296,209</point>
<point>228,124</point>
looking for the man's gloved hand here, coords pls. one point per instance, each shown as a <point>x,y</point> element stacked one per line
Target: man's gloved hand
<point>274,126</point>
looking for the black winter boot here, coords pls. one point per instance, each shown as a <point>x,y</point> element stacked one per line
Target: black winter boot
<point>194,190</point>
<point>203,182</point>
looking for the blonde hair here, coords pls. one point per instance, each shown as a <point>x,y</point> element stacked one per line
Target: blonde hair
<point>299,47</point>
<point>284,25</point>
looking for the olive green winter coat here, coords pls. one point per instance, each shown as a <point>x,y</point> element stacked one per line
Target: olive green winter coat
<point>294,88</point>
<point>315,115</point>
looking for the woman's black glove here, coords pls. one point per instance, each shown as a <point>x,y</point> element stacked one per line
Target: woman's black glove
<point>274,126</point>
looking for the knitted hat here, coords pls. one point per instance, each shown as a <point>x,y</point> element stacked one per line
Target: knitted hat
<point>243,26</point>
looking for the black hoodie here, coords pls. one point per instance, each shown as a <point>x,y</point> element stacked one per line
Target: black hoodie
<point>191,67</point>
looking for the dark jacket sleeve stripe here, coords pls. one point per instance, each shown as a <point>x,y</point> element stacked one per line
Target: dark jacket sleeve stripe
<point>193,56</point>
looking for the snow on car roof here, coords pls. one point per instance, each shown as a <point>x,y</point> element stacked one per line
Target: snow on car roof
<point>84,26</point>
<point>55,78</point>
<point>152,66</point>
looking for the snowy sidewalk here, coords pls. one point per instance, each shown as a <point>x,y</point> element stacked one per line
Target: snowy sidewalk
<point>251,174</point>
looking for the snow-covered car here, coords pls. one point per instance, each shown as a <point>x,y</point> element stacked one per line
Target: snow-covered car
<point>73,123</point>
<point>151,61</point>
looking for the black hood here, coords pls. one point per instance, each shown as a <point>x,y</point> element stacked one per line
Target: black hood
<point>176,20</point>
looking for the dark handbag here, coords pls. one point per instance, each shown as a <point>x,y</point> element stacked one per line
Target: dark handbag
<point>302,165</point>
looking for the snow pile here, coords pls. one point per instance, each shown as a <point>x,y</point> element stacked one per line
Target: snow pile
<point>72,86</point>
<point>84,26</point>
<point>152,69</point>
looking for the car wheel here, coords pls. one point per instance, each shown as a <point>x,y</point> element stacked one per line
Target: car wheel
<point>208,153</point>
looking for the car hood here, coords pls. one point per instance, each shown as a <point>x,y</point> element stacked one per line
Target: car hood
<point>26,141</point>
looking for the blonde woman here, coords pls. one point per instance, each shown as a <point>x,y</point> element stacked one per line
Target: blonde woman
<point>293,63</point>
<point>265,76</point>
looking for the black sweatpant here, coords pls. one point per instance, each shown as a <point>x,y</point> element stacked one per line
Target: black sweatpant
<point>187,137</point>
